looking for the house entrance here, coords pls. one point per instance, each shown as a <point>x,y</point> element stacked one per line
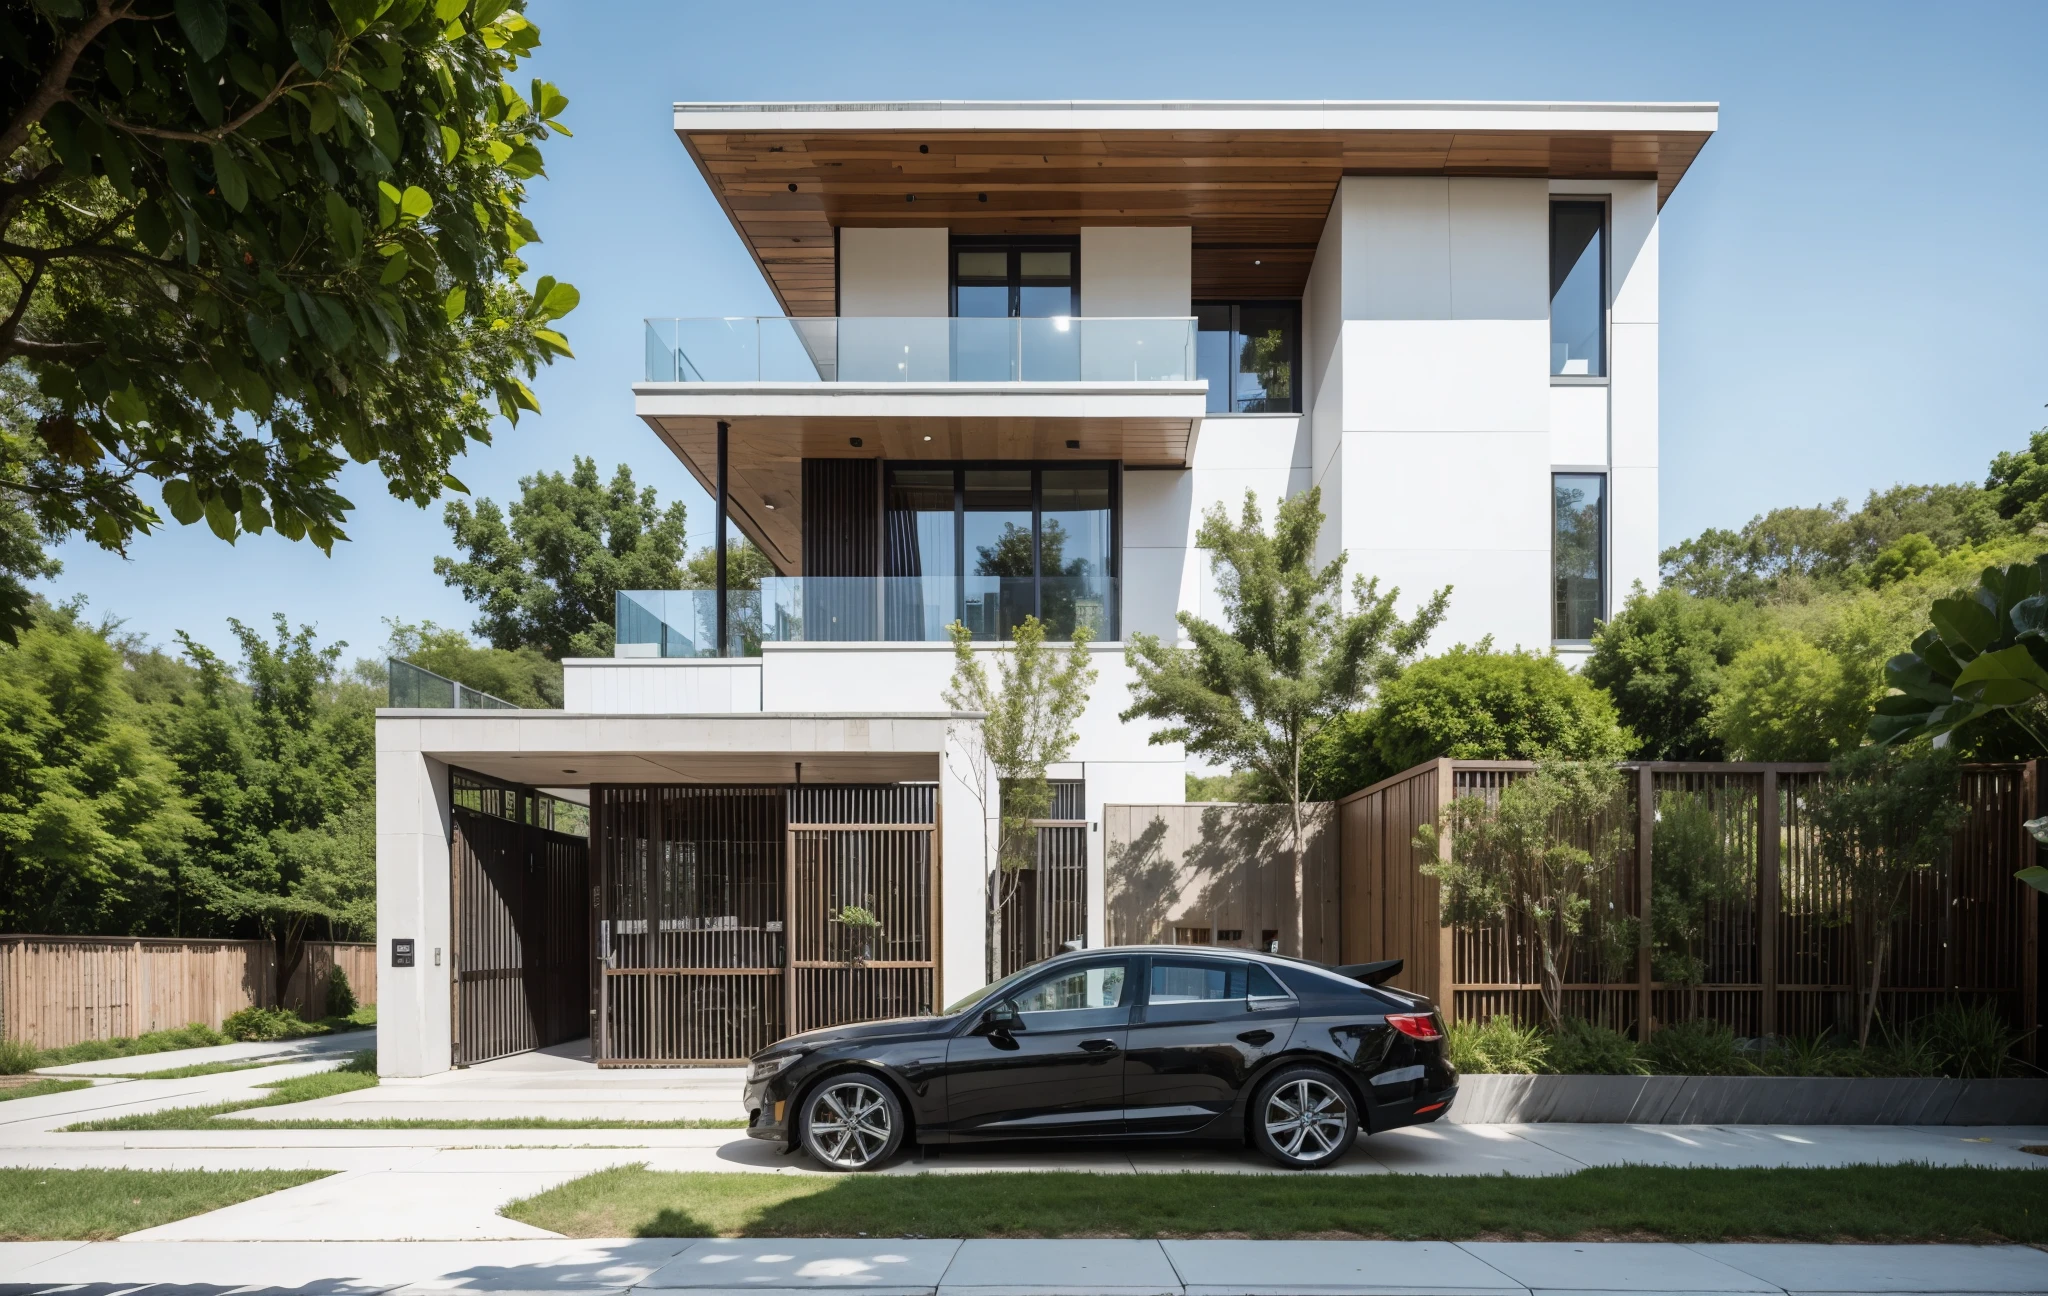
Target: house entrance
<point>520,941</point>
<point>729,917</point>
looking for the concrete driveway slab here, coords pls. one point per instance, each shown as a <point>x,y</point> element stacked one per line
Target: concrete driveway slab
<point>1613,1267</point>
<point>1463,1150</point>
<point>609,1266</point>
<point>17,1256</point>
<point>373,1266</point>
<point>1105,1267</point>
<point>1849,1267</point>
<point>1229,1268</point>
<point>889,1266</point>
<point>396,1205</point>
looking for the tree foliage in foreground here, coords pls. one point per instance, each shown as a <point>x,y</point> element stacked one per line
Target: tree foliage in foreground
<point>546,572</point>
<point>1661,658</point>
<point>248,241</point>
<point>1255,692</point>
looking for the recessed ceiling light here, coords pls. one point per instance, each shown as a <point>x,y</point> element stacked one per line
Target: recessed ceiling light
<point>1255,261</point>
<point>568,771</point>
<point>766,505</point>
<point>927,438</point>
<point>854,442</point>
<point>1073,445</point>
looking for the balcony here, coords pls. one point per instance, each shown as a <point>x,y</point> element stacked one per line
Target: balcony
<point>1056,349</point>
<point>859,609</point>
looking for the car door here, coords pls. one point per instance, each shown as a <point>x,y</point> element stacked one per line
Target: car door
<point>1202,1027</point>
<point>1061,1072</point>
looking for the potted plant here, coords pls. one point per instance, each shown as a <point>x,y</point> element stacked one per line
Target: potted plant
<point>861,929</point>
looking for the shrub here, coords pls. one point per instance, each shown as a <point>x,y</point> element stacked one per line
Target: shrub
<point>363,1062</point>
<point>253,1023</point>
<point>1584,1048</point>
<point>18,1057</point>
<point>1498,1045</point>
<point>1967,1041</point>
<point>196,1035</point>
<point>1698,1048</point>
<point>1815,1055</point>
<point>341,996</point>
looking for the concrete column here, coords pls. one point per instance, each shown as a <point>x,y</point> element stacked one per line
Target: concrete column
<point>413,1026</point>
<point>966,857</point>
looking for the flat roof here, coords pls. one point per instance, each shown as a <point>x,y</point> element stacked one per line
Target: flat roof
<point>1253,179</point>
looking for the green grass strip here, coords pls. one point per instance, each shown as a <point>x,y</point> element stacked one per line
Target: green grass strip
<point>202,1069</point>
<point>38,1088</point>
<point>96,1205</point>
<point>1911,1203</point>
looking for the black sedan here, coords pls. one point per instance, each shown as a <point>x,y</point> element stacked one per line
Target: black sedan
<point>1132,1042</point>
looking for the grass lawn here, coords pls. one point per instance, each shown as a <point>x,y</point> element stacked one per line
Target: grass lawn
<point>360,1073</point>
<point>197,1035</point>
<point>1648,1203</point>
<point>37,1088</point>
<point>204,1069</point>
<point>94,1205</point>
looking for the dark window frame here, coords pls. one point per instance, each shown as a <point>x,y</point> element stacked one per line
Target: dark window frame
<point>1037,468</point>
<point>1013,244</point>
<point>1601,546</point>
<point>1606,205</point>
<point>1236,304</point>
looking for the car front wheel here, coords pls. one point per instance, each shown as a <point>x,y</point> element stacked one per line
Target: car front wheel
<point>852,1122</point>
<point>1304,1118</point>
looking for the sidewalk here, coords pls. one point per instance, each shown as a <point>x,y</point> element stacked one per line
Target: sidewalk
<point>939,1267</point>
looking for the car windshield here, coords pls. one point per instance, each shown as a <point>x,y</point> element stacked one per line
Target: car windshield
<point>1007,983</point>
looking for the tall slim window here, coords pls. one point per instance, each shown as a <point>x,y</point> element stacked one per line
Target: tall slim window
<point>1250,353</point>
<point>1578,554</point>
<point>1578,289</point>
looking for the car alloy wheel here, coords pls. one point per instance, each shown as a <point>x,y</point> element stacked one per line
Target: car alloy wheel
<point>1307,1120</point>
<point>851,1123</point>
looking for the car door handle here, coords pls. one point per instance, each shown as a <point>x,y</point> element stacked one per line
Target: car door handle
<point>1098,1046</point>
<point>1257,1038</point>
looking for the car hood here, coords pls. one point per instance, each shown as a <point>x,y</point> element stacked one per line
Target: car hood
<point>893,1028</point>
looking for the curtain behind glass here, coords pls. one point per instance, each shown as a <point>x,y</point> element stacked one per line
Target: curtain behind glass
<point>920,600</point>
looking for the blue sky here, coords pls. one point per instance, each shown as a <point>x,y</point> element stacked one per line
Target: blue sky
<point>1855,286</point>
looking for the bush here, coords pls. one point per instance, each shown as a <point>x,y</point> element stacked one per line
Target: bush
<point>341,996</point>
<point>1968,1042</point>
<point>195,1035</point>
<point>1498,1045</point>
<point>1699,1048</point>
<point>17,1057</point>
<point>1583,1048</point>
<point>255,1023</point>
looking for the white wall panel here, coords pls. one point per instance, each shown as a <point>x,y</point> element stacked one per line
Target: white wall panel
<point>1477,491</point>
<point>1634,387</point>
<point>1446,375</point>
<point>656,686</point>
<point>1155,585</point>
<point>900,272</point>
<point>1500,249</point>
<point>1397,248</point>
<point>1578,425</point>
<point>414,1033</point>
<point>1142,271</point>
<point>1633,509</point>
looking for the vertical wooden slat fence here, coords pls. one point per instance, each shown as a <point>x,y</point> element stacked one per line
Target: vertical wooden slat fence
<point>1218,869</point>
<point>1776,960</point>
<point>62,990</point>
<point>870,848</point>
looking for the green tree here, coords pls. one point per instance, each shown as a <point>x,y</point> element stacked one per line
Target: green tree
<point>1697,861</point>
<point>1660,658</point>
<point>248,242</point>
<point>1908,555</point>
<point>548,577</point>
<point>1029,710</point>
<point>1471,703</point>
<point>1255,693</point>
<point>91,820</point>
<point>1543,848</point>
<point>1882,819</point>
<point>1984,656</point>
<point>1786,699</point>
<point>746,566</point>
<point>2019,478</point>
<point>521,676</point>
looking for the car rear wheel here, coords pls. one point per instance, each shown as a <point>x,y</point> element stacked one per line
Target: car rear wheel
<point>1304,1118</point>
<point>852,1122</point>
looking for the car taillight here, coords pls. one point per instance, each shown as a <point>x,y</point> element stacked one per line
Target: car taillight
<point>1415,1025</point>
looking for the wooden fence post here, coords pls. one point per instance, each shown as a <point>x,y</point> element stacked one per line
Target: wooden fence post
<point>2030,916</point>
<point>1646,831</point>
<point>1767,903</point>
<point>1446,939</point>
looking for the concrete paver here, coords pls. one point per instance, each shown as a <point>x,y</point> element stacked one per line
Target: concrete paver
<point>1613,1267</point>
<point>1231,1268</point>
<point>913,1267</point>
<point>1858,1268</point>
<point>1012,1267</point>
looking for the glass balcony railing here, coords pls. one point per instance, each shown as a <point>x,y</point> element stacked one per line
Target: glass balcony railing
<point>860,609</point>
<point>774,348</point>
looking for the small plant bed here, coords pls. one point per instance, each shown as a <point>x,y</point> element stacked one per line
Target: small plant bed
<point>17,1058</point>
<point>98,1205</point>
<point>1965,1043</point>
<point>263,1025</point>
<point>1646,1203</point>
<point>40,1086</point>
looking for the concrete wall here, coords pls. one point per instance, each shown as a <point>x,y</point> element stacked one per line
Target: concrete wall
<point>413,1026</point>
<point>1142,271</point>
<point>898,272</point>
<point>661,686</point>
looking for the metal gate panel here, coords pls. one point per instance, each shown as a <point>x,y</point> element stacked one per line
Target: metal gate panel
<point>520,943</point>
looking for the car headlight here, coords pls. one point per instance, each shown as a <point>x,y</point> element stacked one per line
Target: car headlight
<point>762,1068</point>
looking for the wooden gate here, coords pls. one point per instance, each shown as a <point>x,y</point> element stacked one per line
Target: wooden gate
<point>723,915</point>
<point>521,948</point>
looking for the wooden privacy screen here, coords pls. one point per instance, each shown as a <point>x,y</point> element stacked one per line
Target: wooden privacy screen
<point>1174,871</point>
<point>61,990</point>
<point>521,948</point>
<point>720,912</point>
<point>1777,961</point>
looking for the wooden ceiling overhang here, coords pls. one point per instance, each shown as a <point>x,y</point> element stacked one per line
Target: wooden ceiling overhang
<point>1254,182</point>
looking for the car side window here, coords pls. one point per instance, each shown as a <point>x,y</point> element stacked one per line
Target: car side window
<point>1264,987</point>
<point>1175,981</point>
<point>1076,997</point>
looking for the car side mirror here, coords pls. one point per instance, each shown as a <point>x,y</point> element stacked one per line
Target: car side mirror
<point>1000,1019</point>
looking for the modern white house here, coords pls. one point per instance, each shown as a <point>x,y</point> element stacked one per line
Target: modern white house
<point>1026,346</point>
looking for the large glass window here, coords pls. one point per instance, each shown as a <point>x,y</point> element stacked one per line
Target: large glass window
<point>1578,554</point>
<point>1033,278</point>
<point>1578,289</point>
<point>991,544</point>
<point>1250,353</point>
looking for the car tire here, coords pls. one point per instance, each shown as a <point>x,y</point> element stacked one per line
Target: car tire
<point>1303,1117</point>
<point>852,1121</point>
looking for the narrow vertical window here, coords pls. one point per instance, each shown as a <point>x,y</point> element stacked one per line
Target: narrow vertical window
<point>1578,554</point>
<point>1578,289</point>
